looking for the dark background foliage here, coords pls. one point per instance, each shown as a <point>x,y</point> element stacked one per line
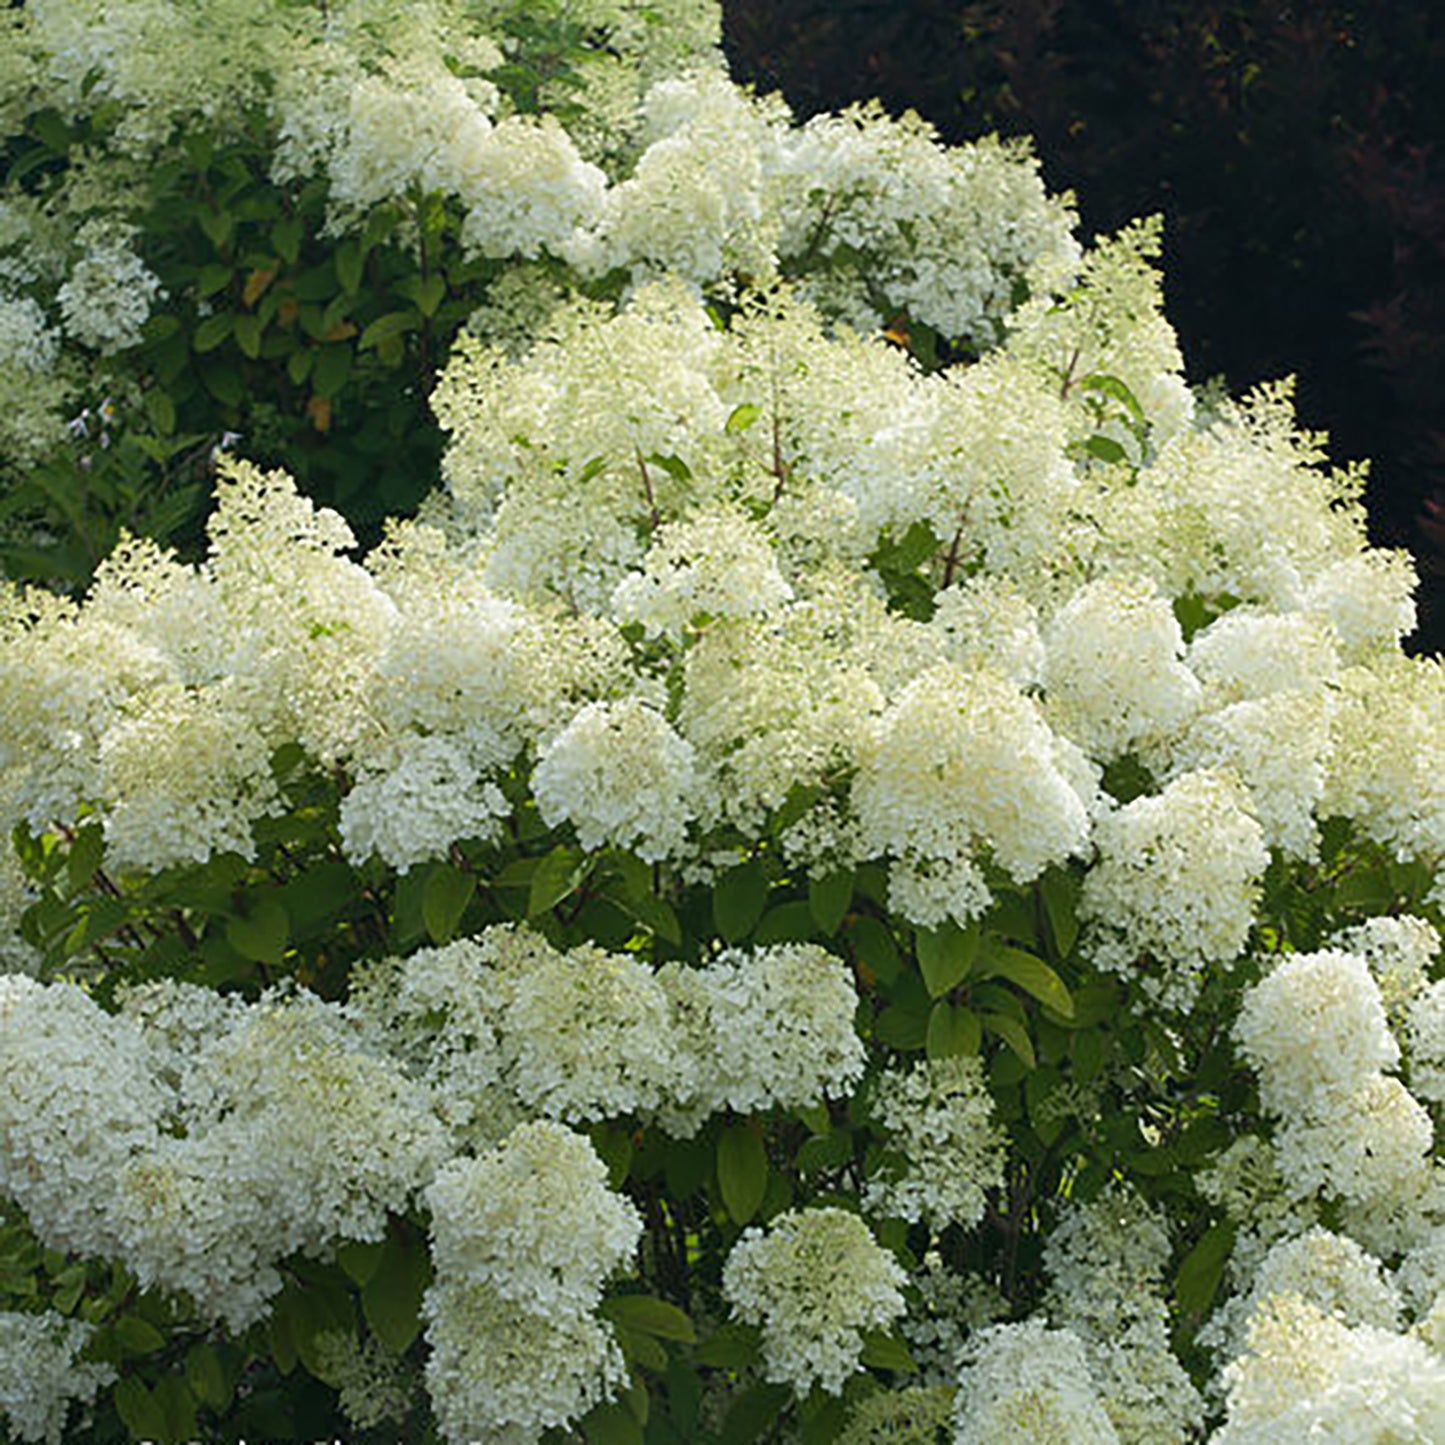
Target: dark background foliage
<point>1296,152</point>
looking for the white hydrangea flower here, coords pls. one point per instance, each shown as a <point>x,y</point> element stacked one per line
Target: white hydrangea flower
<point>815,1280</point>
<point>1314,1025</point>
<point>927,892</point>
<point>714,563</point>
<point>1113,674</point>
<point>1372,1147</point>
<point>294,1137</point>
<point>502,1373</point>
<point>35,394</point>
<point>1425,1043</point>
<point>693,204</point>
<point>427,799</point>
<point>1028,1382</point>
<point>773,1027</point>
<point>77,1102</point>
<point>1177,878</point>
<point>533,1221</point>
<point>435,1012</point>
<point>589,1035</point>
<point>1369,598</point>
<point>1106,1263</point>
<point>1249,654</point>
<point>1278,747</point>
<point>962,763</point>
<point>186,772</point>
<point>108,295</point>
<point>1399,952</point>
<point>1387,771</point>
<point>1308,1376</point>
<point>938,1115</point>
<point>41,1374</point>
<point>910,1416</point>
<point>621,775</point>
<point>526,188</point>
<point>1329,1271</point>
<point>987,624</point>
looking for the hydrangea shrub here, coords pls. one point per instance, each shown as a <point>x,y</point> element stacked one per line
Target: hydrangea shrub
<point>868,868</point>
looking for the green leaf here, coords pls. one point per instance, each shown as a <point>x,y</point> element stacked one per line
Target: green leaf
<point>742,417</point>
<point>902,1028</point>
<point>263,934</point>
<point>1061,899</point>
<point>333,366</point>
<point>945,955</point>
<point>391,1298</point>
<point>558,876</point>
<point>953,1031</point>
<point>640,1349</point>
<point>1202,1268</point>
<point>1106,449</point>
<point>360,1258</point>
<point>69,1286</point>
<point>829,899</point>
<point>1031,974</point>
<point>753,1412</point>
<point>730,1347</point>
<point>742,1171</point>
<point>790,922</point>
<point>140,1412</point>
<point>883,1351</point>
<point>177,1406</point>
<point>874,947</point>
<point>161,410</point>
<point>136,1336</point>
<point>349,261</point>
<point>738,899</point>
<point>207,1376</point>
<point>299,364</point>
<point>384,328</point>
<point>611,1424</point>
<point>248,335</point>
<point>1112,386</point>
<point>430,294</point>
<point>286,238</point>
<point>213,331</point>
<point>85,855</point>
<point>444,899</point>
<point>1013,1034</point>
<point>217,226</point>
<point>649,1316</point>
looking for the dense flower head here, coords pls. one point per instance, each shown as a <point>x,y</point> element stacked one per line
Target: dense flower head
<point>532,1220</point>
<point>1177,878</point>
<point>769,1027</point>
<point>1311,1026</point>
<point>41,1374</point>
<point>502,1373</point>
<point>620,774</point>
<point>1113,673</point>
<point>1307,1374</point>
<point>815,1280</point>
<point>963,764</point>
<point>939,1117</point>
<point>1028,1382</point>
<point>1329,1271</point>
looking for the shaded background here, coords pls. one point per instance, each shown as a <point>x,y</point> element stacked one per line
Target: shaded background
<point>1294,151</point>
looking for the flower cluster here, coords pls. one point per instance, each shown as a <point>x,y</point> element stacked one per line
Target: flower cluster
<point>815,1280</point>
<point>42,1373</point>
<point>939,1117</point>
<point>524,1238</point>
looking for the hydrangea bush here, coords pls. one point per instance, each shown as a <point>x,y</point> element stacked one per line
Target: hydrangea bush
<point>867,869</point>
